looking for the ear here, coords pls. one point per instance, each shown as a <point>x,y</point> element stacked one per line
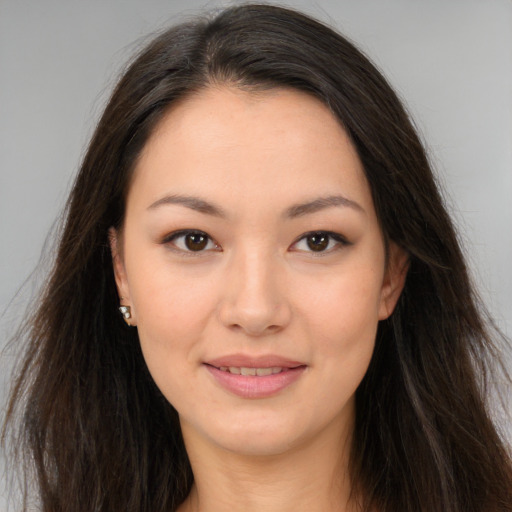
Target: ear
<point>123,289</point>
<point>394,280</point>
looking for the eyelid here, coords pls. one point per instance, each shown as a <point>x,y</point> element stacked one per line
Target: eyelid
<point>171,237</point>
<point>339,238</point>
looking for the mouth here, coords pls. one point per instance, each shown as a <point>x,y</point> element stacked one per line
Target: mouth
<point>252,363</point>
<point>255,377</point>
<point>247,371</point>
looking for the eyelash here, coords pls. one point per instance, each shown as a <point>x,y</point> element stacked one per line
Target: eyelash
<point>340,240</point>
<point>171,238</point>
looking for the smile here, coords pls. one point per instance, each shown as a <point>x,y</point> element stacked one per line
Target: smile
<point>262,381</point>
<point>257,372</point>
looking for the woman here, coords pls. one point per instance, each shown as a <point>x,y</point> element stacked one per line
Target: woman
<point>296,327</point>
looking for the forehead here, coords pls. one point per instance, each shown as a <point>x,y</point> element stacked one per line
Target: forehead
<point>228,142</point>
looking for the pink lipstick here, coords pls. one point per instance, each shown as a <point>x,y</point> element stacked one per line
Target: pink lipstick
<point>254,377</point>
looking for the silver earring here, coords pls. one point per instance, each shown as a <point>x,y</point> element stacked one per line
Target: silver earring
<point>126,312</point>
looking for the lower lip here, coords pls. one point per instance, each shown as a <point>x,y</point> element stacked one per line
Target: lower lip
<point>253,386</point>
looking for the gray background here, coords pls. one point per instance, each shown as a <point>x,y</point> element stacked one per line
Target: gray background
<point>451,60</point>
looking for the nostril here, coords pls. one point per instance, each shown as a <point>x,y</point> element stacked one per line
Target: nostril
<point>253,315</point>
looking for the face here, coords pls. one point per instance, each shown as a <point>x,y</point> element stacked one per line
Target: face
<point>255,268</point>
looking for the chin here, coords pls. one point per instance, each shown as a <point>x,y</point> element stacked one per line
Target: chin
<point>256,444</point>
<point>258,434</point>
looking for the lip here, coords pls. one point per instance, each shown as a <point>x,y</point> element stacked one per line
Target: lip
<point>248,386</point>
<point>265,361</point>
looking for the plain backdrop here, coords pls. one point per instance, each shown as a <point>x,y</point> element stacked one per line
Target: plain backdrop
<point>450,60</point>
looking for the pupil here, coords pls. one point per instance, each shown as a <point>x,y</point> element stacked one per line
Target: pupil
<point>195,241</point>
<point>318,242</point>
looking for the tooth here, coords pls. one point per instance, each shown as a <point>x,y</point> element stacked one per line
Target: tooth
<point>263,371</point>
<point>252,371</point>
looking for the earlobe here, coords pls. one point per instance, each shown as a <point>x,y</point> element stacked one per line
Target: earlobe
<point>394,280</point>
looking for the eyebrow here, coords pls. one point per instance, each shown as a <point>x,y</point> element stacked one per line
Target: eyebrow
<point>192,202</point>
<point>321,203</point>
<point>297,210</point>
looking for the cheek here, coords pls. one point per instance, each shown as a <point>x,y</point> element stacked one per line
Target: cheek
<point>172,314</point>
<point>162,292</point>
<point>344,326</point>
<point>171,307</point>
<point>343,314</point>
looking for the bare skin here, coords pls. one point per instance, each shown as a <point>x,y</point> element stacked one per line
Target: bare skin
<point>296,481</point>
<point>251,243</point>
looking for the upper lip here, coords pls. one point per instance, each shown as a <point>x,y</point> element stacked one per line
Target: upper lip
<point>246,361</point>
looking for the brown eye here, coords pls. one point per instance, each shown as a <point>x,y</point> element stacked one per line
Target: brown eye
<point>189,241</point>
<point>196,241</point>
<point>318,242</point>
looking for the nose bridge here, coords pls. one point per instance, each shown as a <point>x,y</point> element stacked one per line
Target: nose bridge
<point>254,300</point>
<point>257,275</point>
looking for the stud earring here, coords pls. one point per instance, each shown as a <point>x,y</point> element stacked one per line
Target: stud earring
<point>125,311</point>
<point>127,314</point>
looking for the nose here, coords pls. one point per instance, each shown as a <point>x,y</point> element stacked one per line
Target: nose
<point>254,299</point>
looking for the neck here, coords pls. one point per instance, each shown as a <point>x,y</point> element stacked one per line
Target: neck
<point>311,477</point>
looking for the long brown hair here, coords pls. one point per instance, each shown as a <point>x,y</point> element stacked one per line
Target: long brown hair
<point>94,427</point>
